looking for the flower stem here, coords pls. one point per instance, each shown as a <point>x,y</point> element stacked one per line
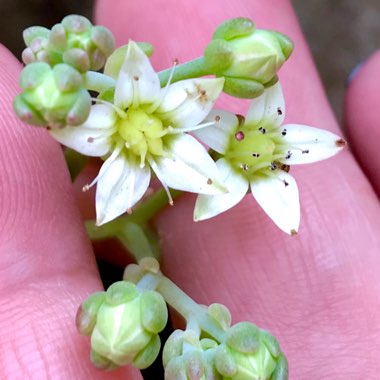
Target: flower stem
<point>188,308</point>
<point>98,82</point>
<point>191,69</point>
<point>75,162</point>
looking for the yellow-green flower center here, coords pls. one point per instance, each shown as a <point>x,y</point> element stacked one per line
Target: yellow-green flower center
<point>254,149</point>
<point>142,133</point>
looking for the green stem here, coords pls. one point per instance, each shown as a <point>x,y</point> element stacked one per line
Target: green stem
<point>188,308</point>
<point>98,82</point>
<point>75,162</point>
<point>192,69</point>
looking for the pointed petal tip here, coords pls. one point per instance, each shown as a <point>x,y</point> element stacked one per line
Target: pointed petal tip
<point>341,143</point>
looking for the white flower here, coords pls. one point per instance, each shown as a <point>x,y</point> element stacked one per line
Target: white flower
<point>145,126</point>
<point>256,153</point>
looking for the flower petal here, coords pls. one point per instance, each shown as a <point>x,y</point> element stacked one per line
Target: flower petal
<point>92,138</point>
<point>269,105</point>
<point>121,184</point>
<point>208,206</point>
<point>137,82</point>
<point>186,103</point>
<point>277,194</point>
<point>189,168</point>
<point>309,144</point>
<point>217,136</point>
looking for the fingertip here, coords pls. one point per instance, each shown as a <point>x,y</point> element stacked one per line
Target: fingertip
<point>362,117</point>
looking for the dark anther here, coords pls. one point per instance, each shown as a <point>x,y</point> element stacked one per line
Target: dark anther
<point>283,132</point>
<point>255,154</point>
<point>136,78</point>
<point>279,111</point>
<point>217,118</point>
<point>285,183</point>
<point>288,155</point>
<point>305,151</point>
<point>263,130</point>
<point>273,166</point>
<point>245,167</point>
<point>90,140</point>
<point>203,92</point>
<point>209,181</point>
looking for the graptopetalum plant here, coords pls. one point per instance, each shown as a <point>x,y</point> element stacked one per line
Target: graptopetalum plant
<point>144,124</point>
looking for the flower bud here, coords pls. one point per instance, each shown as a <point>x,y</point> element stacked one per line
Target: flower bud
<point>247,58</point>
<point>75,41</point>
<point>185,357</point>
<point>124,325</point>
<point>52,97</point>
<point>250,353</point>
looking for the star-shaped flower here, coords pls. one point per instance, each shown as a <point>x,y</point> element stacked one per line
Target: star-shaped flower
<point>145,128</point>
<point>255,154</point>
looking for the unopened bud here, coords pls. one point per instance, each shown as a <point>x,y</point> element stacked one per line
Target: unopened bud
<point>74,41</point>
<point>185,357</point>
<point>250,353</point>
<point>52,97</point>
<point>247,58</point>
<point>124,329</point>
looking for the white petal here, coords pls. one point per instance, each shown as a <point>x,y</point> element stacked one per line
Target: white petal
<point>137,82</point>
<point>217,136</point>
<point>277,194</point>
<point>269,105</point>
<point>93,137</point>
<point>309,144</point>
<point>188,102</point>
<point>122,184</point>
<point>208,206</point>
<point>190,168</point>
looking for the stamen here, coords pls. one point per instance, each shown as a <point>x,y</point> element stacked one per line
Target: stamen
<point>159,176</point>
<point>158,102</point>
<point>190,129</point>
<point>104,167</point>
<point>118,110</point>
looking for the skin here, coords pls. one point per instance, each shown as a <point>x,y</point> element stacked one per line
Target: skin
<point>318,292</point>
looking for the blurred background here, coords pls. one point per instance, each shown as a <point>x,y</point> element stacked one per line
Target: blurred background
<point>341,33</point>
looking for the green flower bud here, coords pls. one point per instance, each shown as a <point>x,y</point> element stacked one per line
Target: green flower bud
<point>123,325</point>
<point>185,357</point>
<point>75,41</point>
<point>52,97</point>
<point>247,58</point>
<point>250,353</point>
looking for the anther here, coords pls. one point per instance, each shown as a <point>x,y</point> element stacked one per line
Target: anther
<point>263,130</point>
<point>239,135</point>
<point>129,211</point>
<point>245,167</point>
<point>279,111</point>
<point>288,155</point>
<point>217,118</point>
<point>209,181</point>
<point>136,77</point>
<point>305,151</point>
<point>273,166</point>
<point>283,132</point>
<point>285,183</point>
<point>255,154</point>
<point>90,140</point>
<point>86,188</point>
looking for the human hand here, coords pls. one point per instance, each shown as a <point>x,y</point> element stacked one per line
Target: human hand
<point>315,292</point>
